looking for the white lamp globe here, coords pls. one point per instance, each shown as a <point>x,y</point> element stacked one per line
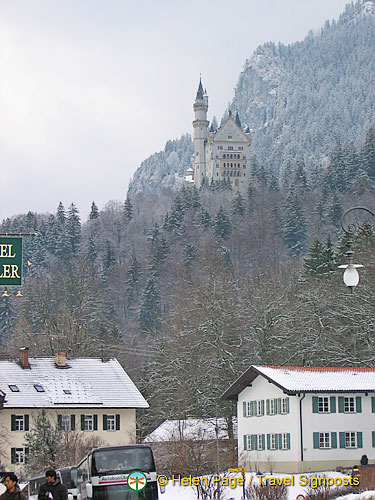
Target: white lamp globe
<point>351,276</point>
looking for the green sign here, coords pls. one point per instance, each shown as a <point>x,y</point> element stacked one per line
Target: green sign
<point>10,261</point>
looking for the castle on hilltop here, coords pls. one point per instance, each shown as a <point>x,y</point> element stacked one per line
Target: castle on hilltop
<point>221,154</point>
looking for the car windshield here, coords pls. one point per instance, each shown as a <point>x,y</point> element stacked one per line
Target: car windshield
<point>123,460</point>
<point>122,492</point>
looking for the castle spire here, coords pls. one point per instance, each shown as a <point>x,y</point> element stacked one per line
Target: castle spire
<point>200,91</point>
<point>238,121</point>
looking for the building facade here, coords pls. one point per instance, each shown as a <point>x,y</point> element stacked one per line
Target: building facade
<point>86,395</point>
<point>304,419</point>
<point>222,154</point>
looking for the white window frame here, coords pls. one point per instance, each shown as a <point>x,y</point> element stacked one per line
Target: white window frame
<point>248,408</point>
<point>111,423</point>
<point>259,408</point>
<point>19,423</point>
<point>273,404</point>
<point>260,442</point>
<point>273,438</point>
<point>324,440</point>
<point>349,404</point>
<point>88,423</point>
<point>19,455</point>
<point>323,404</point>
<point>350,439</point>
<point>248,437</point>
<point>65,422</point>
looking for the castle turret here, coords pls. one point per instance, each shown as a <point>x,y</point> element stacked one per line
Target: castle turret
<point>200,125</point>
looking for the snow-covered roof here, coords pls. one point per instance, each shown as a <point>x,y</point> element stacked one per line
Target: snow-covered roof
<point>199,429</point>
<point>84,382</point>
<point>295,379</point>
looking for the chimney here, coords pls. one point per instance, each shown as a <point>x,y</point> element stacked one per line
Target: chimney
<point>60,359</point>
<point>24,357</point>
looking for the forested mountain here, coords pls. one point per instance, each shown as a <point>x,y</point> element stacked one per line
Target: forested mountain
<point>187,289</point>
<point>302,99</point>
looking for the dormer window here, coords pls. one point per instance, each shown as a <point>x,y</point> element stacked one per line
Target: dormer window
<point>13,388</point>
<point>39,388</point>
<point>67,391</point>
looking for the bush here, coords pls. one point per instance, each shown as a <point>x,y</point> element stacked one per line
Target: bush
<point>266,492</point>
<point>364,460</point>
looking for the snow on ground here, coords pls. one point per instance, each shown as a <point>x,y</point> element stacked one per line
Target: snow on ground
<point>188,492</point>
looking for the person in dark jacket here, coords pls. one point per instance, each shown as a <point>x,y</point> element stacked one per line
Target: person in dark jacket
<point>53,488</point>
<point>13,491</point>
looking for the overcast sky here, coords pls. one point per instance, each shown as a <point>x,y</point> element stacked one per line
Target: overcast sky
<point>90,88</point>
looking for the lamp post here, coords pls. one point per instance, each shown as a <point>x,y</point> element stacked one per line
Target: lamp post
<point>351,276</point>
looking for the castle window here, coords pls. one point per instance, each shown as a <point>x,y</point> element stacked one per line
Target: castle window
<point>220,148</point>
<point>244,174</point>
<point>231,174</point>
<point>240,148</point>
<point>231,156</point>
<point>217,174</point>
<point>244,166</point>
<point>230,137</point>
<point>231,164</point>
<point>230,148</point>
<point>217,165</point>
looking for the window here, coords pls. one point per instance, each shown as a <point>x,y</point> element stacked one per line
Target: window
<point>260,439</point>
<point>67,391</point>
<point>323,405</point>
<point>272,406</point>
<point>217,165</point>
<point>13,388</point>
<point>324,440</point>
<point>220,148</point>
<point>111,423</point>
<point>39,388</point>
<point>65,423</point>
<point>273,442</point>
<point>18,455</point>
<point>240,148</point>
<point>230,148</point>
<point>19,423</point>
<point>285,441</point>
<point>259,408</point>
<point>349,405</point>
<point>88,423</point>
<point>350,439</point>
<point>230,137</point>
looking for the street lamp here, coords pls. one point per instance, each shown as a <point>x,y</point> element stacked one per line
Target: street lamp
<point>351,276</point>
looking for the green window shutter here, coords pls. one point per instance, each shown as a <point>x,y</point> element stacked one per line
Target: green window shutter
<point>105,427</point>
<point>27,423</point>
<point>244,408</point>
<point>117,422</point>
<point>359,440</point>
<point>332,404</point>
<point>95,422</point>
<point>341,404</point>
<point>333,439</point>
<point>245,442</point>
<point>278,406</point>
<point>72,422</point>
<point>287,405</point>
<point>280,441</point>
<point>262,407</point>
<point>13,424</point>
<point>342,439</point>
<point>315,404</point>
<point>59,422</point>
<point>82,422</point>
<point>13,455</point>
<point>253,405</point>
<point>316,440</point>
<point>268,442</point>
<point>254,442</point>
<point>358,404</point>
<point>373,405</point>
<point>373,439</point>
<point>268,406</point>
<point>288,441</point>
<point>263,441</point>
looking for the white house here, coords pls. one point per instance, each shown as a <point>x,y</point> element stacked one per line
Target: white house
<point>219,154</point>
<point>303,419</point>
<point>88,395</point>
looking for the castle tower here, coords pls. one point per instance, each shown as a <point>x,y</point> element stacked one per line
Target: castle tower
<point>200,125</point>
